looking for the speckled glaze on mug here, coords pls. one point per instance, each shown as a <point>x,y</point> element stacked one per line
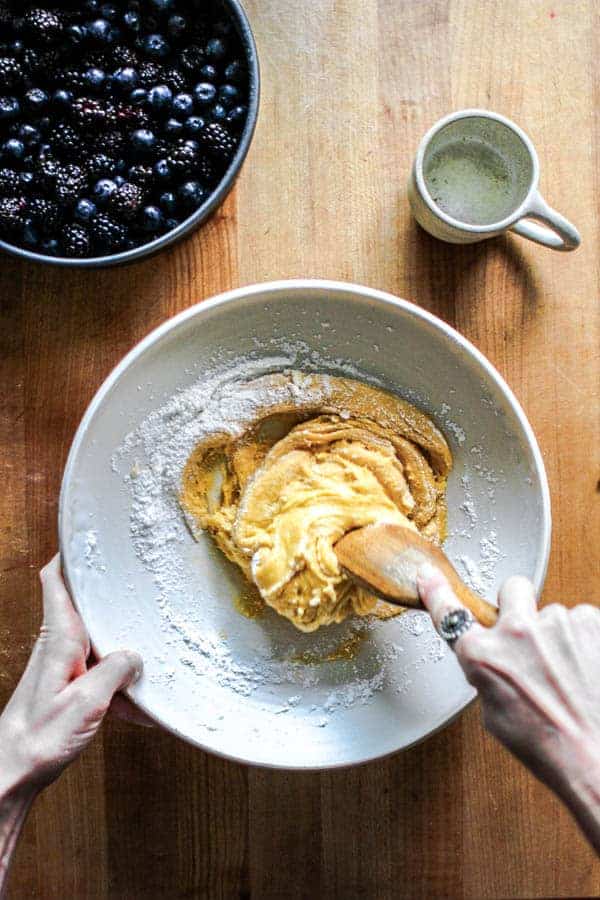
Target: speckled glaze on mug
<point>498,157</point>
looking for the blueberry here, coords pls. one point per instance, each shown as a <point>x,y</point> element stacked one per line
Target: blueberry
<point>91,6</point>
<point>85,210</point>
<point>236,117</point>
<point>216,49</point>
<point>183,104</point>
<point>161,170</point>
<point>9,108</point>
<point>143,140</point>
<point>223,28</point>
<point>173,127</point>
<point>155,46</point>
<point>160,98</point>
<point>235,72</point>
<point>109,11</point>
<point>14,148</point>
<point>132,21</point>
<point>228,94</point>
<point>195,124</point>
<point>118,180</point>
<point>62,98</point>
<point>168,202</point>
<point>171,223</point>
<point>218,112</point>
<point>30,135</point>
<point>31,236</point>
<point>152,219</point>
<point>191,194</point>
<point>100,31</point>
<point>76,34</point>
<point>104,189</point>
<point>26,181</point>
<point>35,99</point>
<point>125,78</point>
<point>209,73</point>
<point>49,247</point>
<point>205,93</point>
<point>162,6</point>
<point>138,97</point>
<point>94,78</point>
<point>176,26</point>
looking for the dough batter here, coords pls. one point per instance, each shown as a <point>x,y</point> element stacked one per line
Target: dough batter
<point>326,456</point>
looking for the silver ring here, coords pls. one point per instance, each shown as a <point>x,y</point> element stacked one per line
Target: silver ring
<point>454,624</point>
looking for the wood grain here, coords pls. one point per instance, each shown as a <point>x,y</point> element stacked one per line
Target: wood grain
<point>349,86</point>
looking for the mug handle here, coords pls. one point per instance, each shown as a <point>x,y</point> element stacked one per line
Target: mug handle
<point>556,232</point>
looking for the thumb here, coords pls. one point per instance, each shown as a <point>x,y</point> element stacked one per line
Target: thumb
<point>111,674</point>
<point>436,594</point>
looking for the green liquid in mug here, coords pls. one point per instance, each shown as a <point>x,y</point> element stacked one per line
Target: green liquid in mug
<point>472,182</point>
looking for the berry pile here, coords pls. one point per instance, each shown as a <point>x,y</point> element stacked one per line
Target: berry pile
<point>117,119</point>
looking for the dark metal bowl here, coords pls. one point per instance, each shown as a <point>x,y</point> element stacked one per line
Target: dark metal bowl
<point>211,203</point>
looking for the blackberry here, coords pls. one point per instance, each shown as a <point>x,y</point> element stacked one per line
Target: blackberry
<point>217,140</point>
<point>64,138</point>
<point>6,19</point>
<point>46,214</point>
<point>175,79</point>
<point>40,62</point>
<point>90,113</point>
<point>69,183</point>
<point>71,79</point>
<point>126,201</point>
<point>43,25</point>
<point>205,170</point>
<point>110,143</point>
<point>183,158</point>
<point>124,56</point>
<point>47,171</point>
<point>107,234</point>
<point>98,164</point>
<point>150,73</point>
<point>75,240</point>
<point>95,59</point>
<point>191,58</point>
<point>11,72</point>
<point>12,214</point>
<point>141,175</point>
<point>8,181</point>
<point>132,116</point>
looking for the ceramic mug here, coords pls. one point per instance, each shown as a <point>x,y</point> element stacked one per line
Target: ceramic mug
<point>476,176</point>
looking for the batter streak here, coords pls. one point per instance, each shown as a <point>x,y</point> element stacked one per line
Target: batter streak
<point>281,492</point>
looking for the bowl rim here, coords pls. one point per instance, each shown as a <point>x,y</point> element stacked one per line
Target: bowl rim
<point>280,290</point>
<point>212,202</point>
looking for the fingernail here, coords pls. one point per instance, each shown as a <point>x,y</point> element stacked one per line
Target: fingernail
<point>138,663</point>
<point>426,571</point>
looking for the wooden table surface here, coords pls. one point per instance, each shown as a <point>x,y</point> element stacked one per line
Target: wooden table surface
<point>349,86</point>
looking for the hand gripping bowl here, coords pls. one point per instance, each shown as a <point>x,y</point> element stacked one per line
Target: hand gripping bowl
<point>255,689</point>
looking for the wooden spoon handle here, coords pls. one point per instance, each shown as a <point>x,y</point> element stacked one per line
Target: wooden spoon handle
<point>385,559</point>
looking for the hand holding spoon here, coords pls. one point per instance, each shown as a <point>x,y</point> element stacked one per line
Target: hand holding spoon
<point>385,559</point>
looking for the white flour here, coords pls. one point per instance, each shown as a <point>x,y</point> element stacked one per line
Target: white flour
<point>151,460</point>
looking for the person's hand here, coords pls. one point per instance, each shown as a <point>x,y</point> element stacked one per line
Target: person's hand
<point>538,677</point>
<point>59,702</point>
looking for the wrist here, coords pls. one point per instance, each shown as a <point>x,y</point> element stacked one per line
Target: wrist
<point>582,791</point>
<point>14,806</point>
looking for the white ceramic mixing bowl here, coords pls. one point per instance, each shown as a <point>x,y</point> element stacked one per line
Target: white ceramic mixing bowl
<point>256,690</point>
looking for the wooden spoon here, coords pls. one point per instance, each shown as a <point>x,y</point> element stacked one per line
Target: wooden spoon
<point>385,560</point>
